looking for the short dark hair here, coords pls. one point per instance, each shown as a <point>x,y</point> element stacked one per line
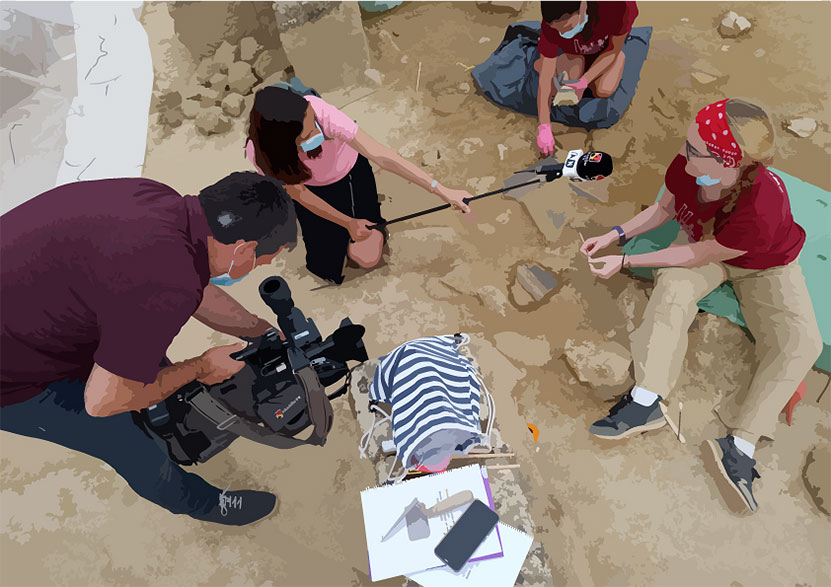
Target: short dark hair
<point>246,205</point>
<point>552,11</point>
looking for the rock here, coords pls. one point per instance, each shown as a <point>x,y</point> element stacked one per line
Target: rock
<point>241,78</point>
<point>248,48</point>
<point>469,146</point>
<point>430,158</point>
<point>503,7</point>
<point>486,228</point>
<point>801,127</point>
<point>817,477</point>
<point>204,96</point>
<point>170,100</point>
<point>492,298</point>
<point>537,281</point>
<point>703,80</point>
<point>535,352</point>
<point>207,68</point>
<point>603,365</point>
<point>210,121</point>
<point>733,25</point>
<point>190,108</point>
<point>759,53</point>
<point>484,40</point>
<point>521,298</point>
<point>375,75</point>
<point>233,104</point>
<point>305,27</point>
<point>501,148</point>
<point>224,56</point>
<point>218,81</point>
<point>480,185</point>
<point>725,48</point>
<point>270,61</point>
<point>464,87</point>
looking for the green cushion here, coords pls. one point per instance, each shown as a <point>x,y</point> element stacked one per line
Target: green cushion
<point>811,206</point>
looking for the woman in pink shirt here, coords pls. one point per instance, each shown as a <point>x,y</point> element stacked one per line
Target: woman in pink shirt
<point>323,157</point>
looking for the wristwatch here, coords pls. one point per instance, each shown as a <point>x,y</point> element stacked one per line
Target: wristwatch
<point>622,235</point>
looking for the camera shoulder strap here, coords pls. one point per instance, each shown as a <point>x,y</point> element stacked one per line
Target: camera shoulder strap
<point>320,408</point>
<point>224,419</point>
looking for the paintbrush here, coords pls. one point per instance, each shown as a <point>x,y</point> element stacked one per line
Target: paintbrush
<point>672,424</point>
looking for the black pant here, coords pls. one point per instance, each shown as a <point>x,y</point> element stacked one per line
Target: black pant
<point>58,415</point>
<point>326,243</point>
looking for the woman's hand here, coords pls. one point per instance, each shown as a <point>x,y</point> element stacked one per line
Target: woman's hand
<point>598,243</point>
<point>607,266</point>
<point>545,139</point>
<point>456,198</point>
<point>359,229</point>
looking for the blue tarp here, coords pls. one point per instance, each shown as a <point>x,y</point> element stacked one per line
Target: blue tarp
<point>811,207</point>
<point>508,78</point>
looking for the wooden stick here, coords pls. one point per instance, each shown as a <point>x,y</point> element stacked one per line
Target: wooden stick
<point>418,78</point>
<point>498,467</point>
<point>490,455</point>
<point>672,424</point>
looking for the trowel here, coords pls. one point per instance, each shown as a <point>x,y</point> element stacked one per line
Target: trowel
<point>417,515</point>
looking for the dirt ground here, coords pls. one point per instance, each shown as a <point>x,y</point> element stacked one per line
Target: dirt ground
<point>640,512</point>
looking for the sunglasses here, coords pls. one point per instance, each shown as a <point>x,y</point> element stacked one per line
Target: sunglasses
<point>693,152</point>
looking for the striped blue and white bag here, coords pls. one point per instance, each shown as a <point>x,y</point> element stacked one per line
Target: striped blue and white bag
<point>434,392</point>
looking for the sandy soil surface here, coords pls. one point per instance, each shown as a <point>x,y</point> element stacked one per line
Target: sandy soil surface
<point>640,512</point>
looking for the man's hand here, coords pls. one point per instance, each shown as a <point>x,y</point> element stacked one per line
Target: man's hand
<point>216,364</point>
<point>358,229</point>
<point>598,243</point>
<point>605,267</point>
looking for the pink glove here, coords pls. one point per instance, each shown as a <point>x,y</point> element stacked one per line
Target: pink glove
<point>545,139</point>
<point>580,84</point>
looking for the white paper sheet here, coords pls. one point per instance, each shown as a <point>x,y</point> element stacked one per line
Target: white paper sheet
<point>383,505</point>
<point>493,572</point>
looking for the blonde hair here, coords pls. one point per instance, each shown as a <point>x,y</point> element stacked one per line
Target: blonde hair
<point>752,129</point>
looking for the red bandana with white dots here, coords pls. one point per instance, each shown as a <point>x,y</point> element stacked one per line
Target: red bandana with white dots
<point>714,130</point>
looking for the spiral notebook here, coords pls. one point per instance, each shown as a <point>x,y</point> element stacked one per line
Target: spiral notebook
<point>399,555</point>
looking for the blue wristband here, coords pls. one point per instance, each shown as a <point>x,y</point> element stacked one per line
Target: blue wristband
<point>621,235</point>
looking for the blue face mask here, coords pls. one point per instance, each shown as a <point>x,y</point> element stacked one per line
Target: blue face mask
<point>225,279</point>
<point>706,180</point>
<point>577,29</point>
<point>314,142</point>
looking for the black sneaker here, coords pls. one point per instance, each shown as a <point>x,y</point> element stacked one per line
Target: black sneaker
<point>238,508</point>
<point>733,471</point>
<point>628,417</point>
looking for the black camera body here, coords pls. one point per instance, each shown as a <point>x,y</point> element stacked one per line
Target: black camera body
<point>279,393</point>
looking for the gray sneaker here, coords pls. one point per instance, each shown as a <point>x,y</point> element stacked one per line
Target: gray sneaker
<point>627,417</point>
<point>733,471</point>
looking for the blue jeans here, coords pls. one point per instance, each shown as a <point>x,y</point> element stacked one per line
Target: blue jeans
<point>58,415</point>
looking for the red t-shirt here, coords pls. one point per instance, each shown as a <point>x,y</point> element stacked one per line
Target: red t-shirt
<point>761,222</point>
<point>613,19</point>
<point>102,272</point>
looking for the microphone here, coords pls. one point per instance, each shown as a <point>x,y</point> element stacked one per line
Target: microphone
<point>579,166</point>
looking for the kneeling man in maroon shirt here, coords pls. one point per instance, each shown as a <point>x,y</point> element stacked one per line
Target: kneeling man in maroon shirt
<point>98,277</point>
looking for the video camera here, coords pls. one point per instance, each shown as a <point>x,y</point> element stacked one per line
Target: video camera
<point>280,392</point>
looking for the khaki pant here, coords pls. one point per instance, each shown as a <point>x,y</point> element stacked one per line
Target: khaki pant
<point>778,312</point>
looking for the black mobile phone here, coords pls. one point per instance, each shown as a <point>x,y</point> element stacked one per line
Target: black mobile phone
<point>466,535</point>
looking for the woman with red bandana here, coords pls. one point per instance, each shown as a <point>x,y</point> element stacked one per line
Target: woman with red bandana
<point>584,40</point>
<point>738,227</point>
